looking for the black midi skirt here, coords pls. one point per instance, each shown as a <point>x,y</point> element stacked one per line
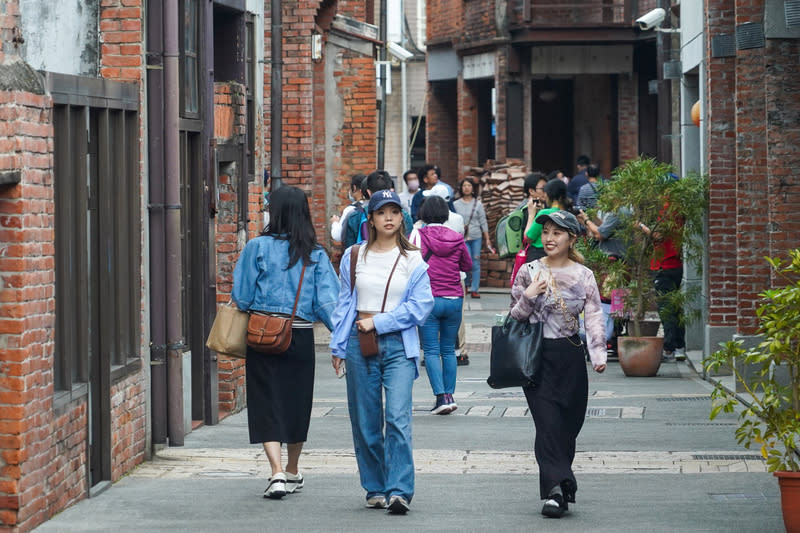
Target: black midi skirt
<point>558,406</point>
<point>280,391</point>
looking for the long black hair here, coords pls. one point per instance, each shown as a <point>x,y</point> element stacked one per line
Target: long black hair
<point>290,220</point>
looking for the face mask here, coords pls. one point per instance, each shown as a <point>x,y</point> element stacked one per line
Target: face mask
<point>413,185</point>
<point>350,196</point>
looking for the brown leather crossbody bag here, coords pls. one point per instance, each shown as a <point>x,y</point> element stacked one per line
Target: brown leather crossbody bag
<point>368,340</point>
<point>272,334</point>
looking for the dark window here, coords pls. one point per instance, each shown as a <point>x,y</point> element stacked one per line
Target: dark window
<point>190,59</point>
<point>97,230</point>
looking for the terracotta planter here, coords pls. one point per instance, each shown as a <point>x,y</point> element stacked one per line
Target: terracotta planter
<point>789,483</point>
<point>640,356</point>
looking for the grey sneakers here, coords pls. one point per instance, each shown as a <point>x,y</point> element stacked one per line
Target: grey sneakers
<point>398,505</point>
<point>376,502</point>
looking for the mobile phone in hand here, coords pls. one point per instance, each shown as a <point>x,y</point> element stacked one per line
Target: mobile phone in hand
<point>342,371</point>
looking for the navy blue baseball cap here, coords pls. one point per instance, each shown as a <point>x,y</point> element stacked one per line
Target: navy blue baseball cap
<point>562,219</point>
<point>381,198</point>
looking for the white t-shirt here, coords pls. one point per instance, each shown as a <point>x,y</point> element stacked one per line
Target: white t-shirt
<point>372,273</point>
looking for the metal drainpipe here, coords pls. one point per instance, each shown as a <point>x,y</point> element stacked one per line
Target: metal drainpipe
<point>155,131</point>
<point>276,96</point>
<point>172,225</point>
<point>382,108</point>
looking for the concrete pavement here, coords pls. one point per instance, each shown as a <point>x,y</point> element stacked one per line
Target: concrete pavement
<point>648,460</point>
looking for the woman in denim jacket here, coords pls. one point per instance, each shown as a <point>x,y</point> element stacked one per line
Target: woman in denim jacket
<point>280,387</point>
<point>385,461</point>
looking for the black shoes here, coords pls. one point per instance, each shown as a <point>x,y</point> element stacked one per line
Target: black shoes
<point>568,489</point>
<point>462,359</point>
<point>554,506</point>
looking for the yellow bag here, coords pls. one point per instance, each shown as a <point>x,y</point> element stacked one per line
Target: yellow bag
<point>228,334</point>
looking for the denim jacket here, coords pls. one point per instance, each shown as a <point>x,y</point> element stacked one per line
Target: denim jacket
<point>262,283</point>
<point>414,308</point>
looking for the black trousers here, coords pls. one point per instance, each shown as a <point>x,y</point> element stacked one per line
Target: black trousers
<point>558,406</point>
<point>666,281</point>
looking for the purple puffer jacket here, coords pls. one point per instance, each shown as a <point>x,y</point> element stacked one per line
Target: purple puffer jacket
<point>447,255</point>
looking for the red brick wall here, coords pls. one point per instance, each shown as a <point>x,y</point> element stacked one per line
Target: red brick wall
<point>121,39</point>
<point>782,83</point>
<point>721,164</point>
<point>752,194</point>
<point>229,126</point>
<point>444,19</point>
<point>33,474</point>
<point>442,127</point>
<point>467,128</point>
<point>478,21</point>
<point>628,118</point>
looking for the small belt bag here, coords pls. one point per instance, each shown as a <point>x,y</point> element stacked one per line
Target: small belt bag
<point>368,340</point>
<point>272,334</point>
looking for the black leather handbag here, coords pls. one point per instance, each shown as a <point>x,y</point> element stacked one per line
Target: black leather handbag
<point>515,358</point>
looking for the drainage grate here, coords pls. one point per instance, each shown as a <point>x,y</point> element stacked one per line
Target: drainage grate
<point>683,398</point>
<point>603,412</point>
<point>728,457</point>
<point>736,497</point>
<point>506,395</point>
<point>704,424</point>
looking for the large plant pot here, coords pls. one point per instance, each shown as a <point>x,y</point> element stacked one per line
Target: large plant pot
<point>789,482</point>
<point>640,356</point>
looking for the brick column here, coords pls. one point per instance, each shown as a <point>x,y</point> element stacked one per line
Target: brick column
<point>722,214</point>
<point>753,201</point>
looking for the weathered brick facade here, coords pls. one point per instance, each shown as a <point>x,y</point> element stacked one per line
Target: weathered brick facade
<point>751,147</point>
<point>44,444</point>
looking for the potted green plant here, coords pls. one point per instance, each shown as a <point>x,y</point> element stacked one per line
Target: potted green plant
<point>654,207</point>
<point>770,392</point>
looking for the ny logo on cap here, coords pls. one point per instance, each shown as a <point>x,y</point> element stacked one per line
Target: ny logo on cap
<point>387,193</point>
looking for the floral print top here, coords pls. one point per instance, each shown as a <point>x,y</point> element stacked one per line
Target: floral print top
<point>576,287</point>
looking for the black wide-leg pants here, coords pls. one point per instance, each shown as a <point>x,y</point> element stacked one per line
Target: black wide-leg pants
<point>558,406</point>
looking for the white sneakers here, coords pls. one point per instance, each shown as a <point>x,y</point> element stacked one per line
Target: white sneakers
<point>294,482</point>
<point>283,483</point>
<point>276,486</point>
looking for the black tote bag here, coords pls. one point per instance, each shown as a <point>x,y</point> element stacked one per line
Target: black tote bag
<point>516,354</point>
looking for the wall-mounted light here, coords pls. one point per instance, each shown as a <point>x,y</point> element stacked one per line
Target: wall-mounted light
<point>316,46</point>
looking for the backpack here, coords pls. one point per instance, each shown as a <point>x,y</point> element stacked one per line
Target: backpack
<point>357,229</point>
<point>508,233</point>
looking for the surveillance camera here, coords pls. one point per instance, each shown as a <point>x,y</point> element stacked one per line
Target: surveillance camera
<point>399,52</point>
<point>651,19</point>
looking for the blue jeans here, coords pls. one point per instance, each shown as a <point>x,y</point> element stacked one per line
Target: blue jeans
<point>438,335</point>
<point>385,460</point>
<point>474,277</point>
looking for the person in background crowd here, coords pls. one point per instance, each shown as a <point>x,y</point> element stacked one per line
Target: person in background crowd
<point>471,210</point>
<point>412,186</point>
<point>554,290</point>
<point>667,268</point>
<point>556,199</point>
<point>454,221</point>
<point>587,195</point>
<point>356,198</point>
<point>392,296</point>
<point>431,176</point>
<point>447,256</point>
<point>579,179</point>
<point>280,387</point>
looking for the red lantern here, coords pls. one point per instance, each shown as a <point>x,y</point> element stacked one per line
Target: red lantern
<point>696,113</point>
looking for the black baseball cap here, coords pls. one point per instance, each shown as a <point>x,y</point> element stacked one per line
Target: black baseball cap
<point>563,219</point>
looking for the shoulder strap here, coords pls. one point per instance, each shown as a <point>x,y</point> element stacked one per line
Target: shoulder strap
<point>386,292</point>
<point>299,286</point>
<point>353,263</point>
<point>471,213</point>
